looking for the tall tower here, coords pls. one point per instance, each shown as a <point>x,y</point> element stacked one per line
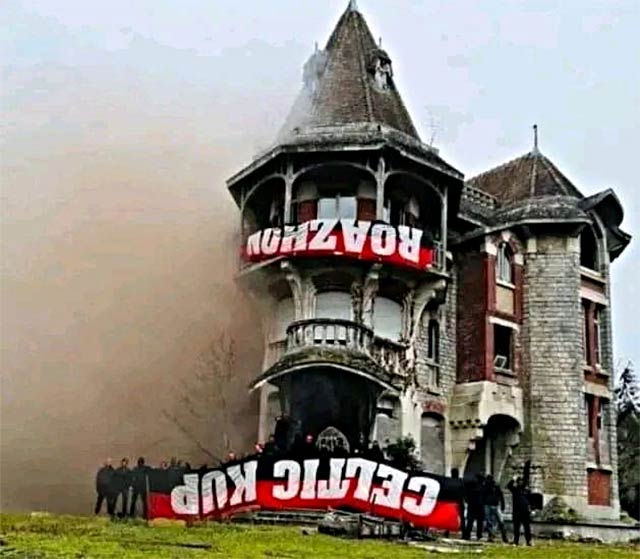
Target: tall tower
<point>344,228</point>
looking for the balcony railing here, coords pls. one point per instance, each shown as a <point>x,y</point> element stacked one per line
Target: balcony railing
<point>329,332</point>
<point>390,355</point>
<point>336,333</point>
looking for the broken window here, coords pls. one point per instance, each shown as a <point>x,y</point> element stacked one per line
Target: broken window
<point>503,347</point>
<point>504,264</point>
<point>589,250</point>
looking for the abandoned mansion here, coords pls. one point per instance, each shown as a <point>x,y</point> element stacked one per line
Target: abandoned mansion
<point>399,299</point>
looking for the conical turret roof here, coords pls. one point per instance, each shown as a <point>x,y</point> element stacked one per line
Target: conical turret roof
<point>350,82</point>
<point>532,175</point>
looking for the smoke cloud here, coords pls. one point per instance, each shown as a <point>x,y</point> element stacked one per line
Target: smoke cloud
<point>119,249</point>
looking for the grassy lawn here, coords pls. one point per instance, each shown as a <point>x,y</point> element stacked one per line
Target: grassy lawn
<point>24,536</point>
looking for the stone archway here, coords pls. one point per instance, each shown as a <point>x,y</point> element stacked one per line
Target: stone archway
<point>330,439</point>
<point>499,436</point>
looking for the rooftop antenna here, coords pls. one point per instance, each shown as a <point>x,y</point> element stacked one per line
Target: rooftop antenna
<point>353,6</point>
<point>380,42</point>
<point>316,46</point>
<point>433,126</point>
<point>535,139</point>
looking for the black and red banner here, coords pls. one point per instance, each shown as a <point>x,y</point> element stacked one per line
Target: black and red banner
<point>363,240</point>
<point>352,483</point>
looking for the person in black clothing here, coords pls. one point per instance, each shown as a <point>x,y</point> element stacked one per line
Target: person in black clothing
<point>139,484</point>
<point>455,474</point>
<point>340,450</point>
<point>270,448</point>
<point>475,507</point>
<point>493,508</point>
<point>521,510</point>
<point>375,452</point>
<point>176,472</point>
<point>104,488</point>
<point>309,449</point>
<point>121,485</point>
<point>282,431</point>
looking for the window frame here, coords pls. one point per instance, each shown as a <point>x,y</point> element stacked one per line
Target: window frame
<point>433,340</point>
<point>338,206</point>
<point>597,336</point>
<point>510,363</point>
<point>376,329</point>
<point>505,261</point>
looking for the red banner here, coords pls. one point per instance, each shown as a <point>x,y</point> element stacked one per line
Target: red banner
<point>355,483</point>
<point>364,240</point>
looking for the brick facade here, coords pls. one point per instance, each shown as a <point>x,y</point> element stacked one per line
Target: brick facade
<point>471,311</point>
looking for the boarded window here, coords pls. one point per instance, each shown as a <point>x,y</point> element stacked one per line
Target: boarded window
<point>599,488</point>
<point>432,443</point>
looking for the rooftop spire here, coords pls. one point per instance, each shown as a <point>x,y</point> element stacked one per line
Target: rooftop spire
<point>535,150</point>
<point>350,82</point>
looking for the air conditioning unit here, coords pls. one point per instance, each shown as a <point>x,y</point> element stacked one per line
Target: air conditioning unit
<point>500,361</point>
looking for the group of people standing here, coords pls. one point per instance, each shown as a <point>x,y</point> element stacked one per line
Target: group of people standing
<point>113,484</point>
<point>485,504</point>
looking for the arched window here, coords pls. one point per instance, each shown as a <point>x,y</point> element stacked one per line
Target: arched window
<point>433,347</point>
<point>333,304</point>
<point>387,319</point>
<point>504,264</point>
<point>589,250</point>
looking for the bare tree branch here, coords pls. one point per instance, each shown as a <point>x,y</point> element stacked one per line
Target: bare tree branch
<point>205,396</point>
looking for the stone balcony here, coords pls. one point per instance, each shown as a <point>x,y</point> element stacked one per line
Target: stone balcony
<point>337,335</point>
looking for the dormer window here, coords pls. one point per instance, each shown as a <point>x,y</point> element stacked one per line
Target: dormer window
<point>380,67</point>
<point>504,264</point>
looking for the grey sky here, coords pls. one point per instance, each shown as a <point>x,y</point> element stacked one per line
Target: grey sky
<point>482,72</point>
